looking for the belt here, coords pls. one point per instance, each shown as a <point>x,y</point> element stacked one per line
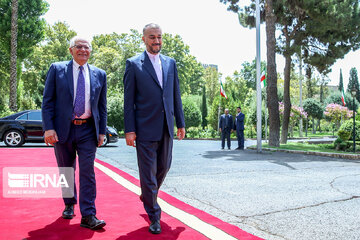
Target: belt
<point>80,121</point>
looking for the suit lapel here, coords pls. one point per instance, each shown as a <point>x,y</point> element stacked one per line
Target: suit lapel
<point>165,68</point>
<point>149,67</point>
<point>70,77</point>
<point>93,79</point>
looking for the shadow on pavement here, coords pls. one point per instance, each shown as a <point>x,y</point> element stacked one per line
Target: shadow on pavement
<point>280,158</point>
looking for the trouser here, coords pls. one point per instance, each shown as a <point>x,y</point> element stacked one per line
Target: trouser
<point>225,133</point>
<point>81,141</point>
<point>240,138</point>
<point>154,161</point>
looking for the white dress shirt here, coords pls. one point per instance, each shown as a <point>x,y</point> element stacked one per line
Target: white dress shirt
<point>156,62</point>
<point>76,71</point>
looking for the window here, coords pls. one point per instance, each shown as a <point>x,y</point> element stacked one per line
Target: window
<point>35,116</point>
<point>23,117</point>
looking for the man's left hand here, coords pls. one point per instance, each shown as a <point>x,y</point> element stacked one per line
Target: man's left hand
<point>181,133</point>
<point>101,139</point>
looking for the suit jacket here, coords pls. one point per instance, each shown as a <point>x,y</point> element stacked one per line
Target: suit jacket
<point>222,121</point>
<point>239,122</point>
<point>146,105</point>
<point>57,105</point>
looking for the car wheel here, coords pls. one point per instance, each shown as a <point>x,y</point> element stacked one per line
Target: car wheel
<point>106,141</point>
<point>14,138</point>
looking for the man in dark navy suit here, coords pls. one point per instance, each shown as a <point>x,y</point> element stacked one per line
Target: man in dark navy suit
<point>239,127</point>
<point>151,102</point>
<point>74,120</point>
<point>225,128</point>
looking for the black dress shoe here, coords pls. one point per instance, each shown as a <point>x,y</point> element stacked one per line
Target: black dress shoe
<point>155,227</point>
<point>92,222</point>
<point>68,212</point>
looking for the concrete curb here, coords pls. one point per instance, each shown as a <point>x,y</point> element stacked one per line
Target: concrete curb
<point>324,154</point>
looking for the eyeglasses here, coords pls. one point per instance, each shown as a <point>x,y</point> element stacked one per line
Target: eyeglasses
<point>82,46</point>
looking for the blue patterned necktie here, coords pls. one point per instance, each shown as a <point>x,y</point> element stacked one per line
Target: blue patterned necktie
<point>79,106</point>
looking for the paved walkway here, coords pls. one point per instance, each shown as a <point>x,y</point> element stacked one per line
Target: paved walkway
<point>272,195</point>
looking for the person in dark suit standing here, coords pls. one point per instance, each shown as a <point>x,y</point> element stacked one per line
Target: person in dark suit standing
<point>151,102</point>
<point>74,120</point>
<point>239,127</point>
<point>225,128</point>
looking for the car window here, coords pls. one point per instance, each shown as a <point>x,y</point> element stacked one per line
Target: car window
<point>23,117</point>
<point>35,116</point>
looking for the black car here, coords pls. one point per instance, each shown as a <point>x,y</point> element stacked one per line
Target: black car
<point>26,126</point>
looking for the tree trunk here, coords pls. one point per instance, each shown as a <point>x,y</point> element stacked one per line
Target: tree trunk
<point>308,74</point>
<point>313,125</point>
<point>287,101</point>
<point>272,97</point>
<point>318,126</point>
<point>13,56</point>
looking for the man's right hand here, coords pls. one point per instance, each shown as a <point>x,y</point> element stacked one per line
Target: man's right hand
<point>130,138</point>
<point>50,137</point>
<point>219,129</point>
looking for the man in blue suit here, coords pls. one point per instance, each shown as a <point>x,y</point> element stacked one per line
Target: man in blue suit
<point>151,102</point>
<point>74,120</point>
<point>239,127</point>
<point>225,128</point>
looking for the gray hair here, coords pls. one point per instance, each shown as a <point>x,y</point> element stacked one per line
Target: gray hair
<point>79,38</point>
<point>151,25</point>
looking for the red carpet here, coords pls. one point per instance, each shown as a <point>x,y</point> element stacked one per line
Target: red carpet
<point>120,208</point>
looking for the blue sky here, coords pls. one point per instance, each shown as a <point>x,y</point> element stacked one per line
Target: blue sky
<point>213,34</point>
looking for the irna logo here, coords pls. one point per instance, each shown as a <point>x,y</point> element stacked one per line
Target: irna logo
<point>41,182</point>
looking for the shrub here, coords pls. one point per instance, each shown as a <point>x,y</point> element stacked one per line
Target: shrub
<point>115,107</point>
<point>339,144</point>
<point>192,113</point>
<point>348,127</point>
<point>344,135</point>
<point>198,132</point>
<point>5,111</point>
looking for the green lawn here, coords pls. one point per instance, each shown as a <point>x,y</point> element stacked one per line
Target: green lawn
<point>307,147</point>
<point>312,135</point>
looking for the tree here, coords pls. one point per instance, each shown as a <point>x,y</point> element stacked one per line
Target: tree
<point>354,82</point>
<point>295,114</point>
<point>30,31</point>
<point>337,113</point>
<point>54,48</point>
<point>192,113</point>
<point>341,82</point>
<point>313,109</point>
<point>189,69</point>
<point>247,18</point>
<point>248,73</point>
<point>204,109</point>
<point>323,89</point>
<point>211,78</point>
<point>110,52</point>
<point>272,97</point>
<point>236,88</point>
<point>310,84</point>
<point>336,98</point>
<point>311,25</point>
<point>13,55</point>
